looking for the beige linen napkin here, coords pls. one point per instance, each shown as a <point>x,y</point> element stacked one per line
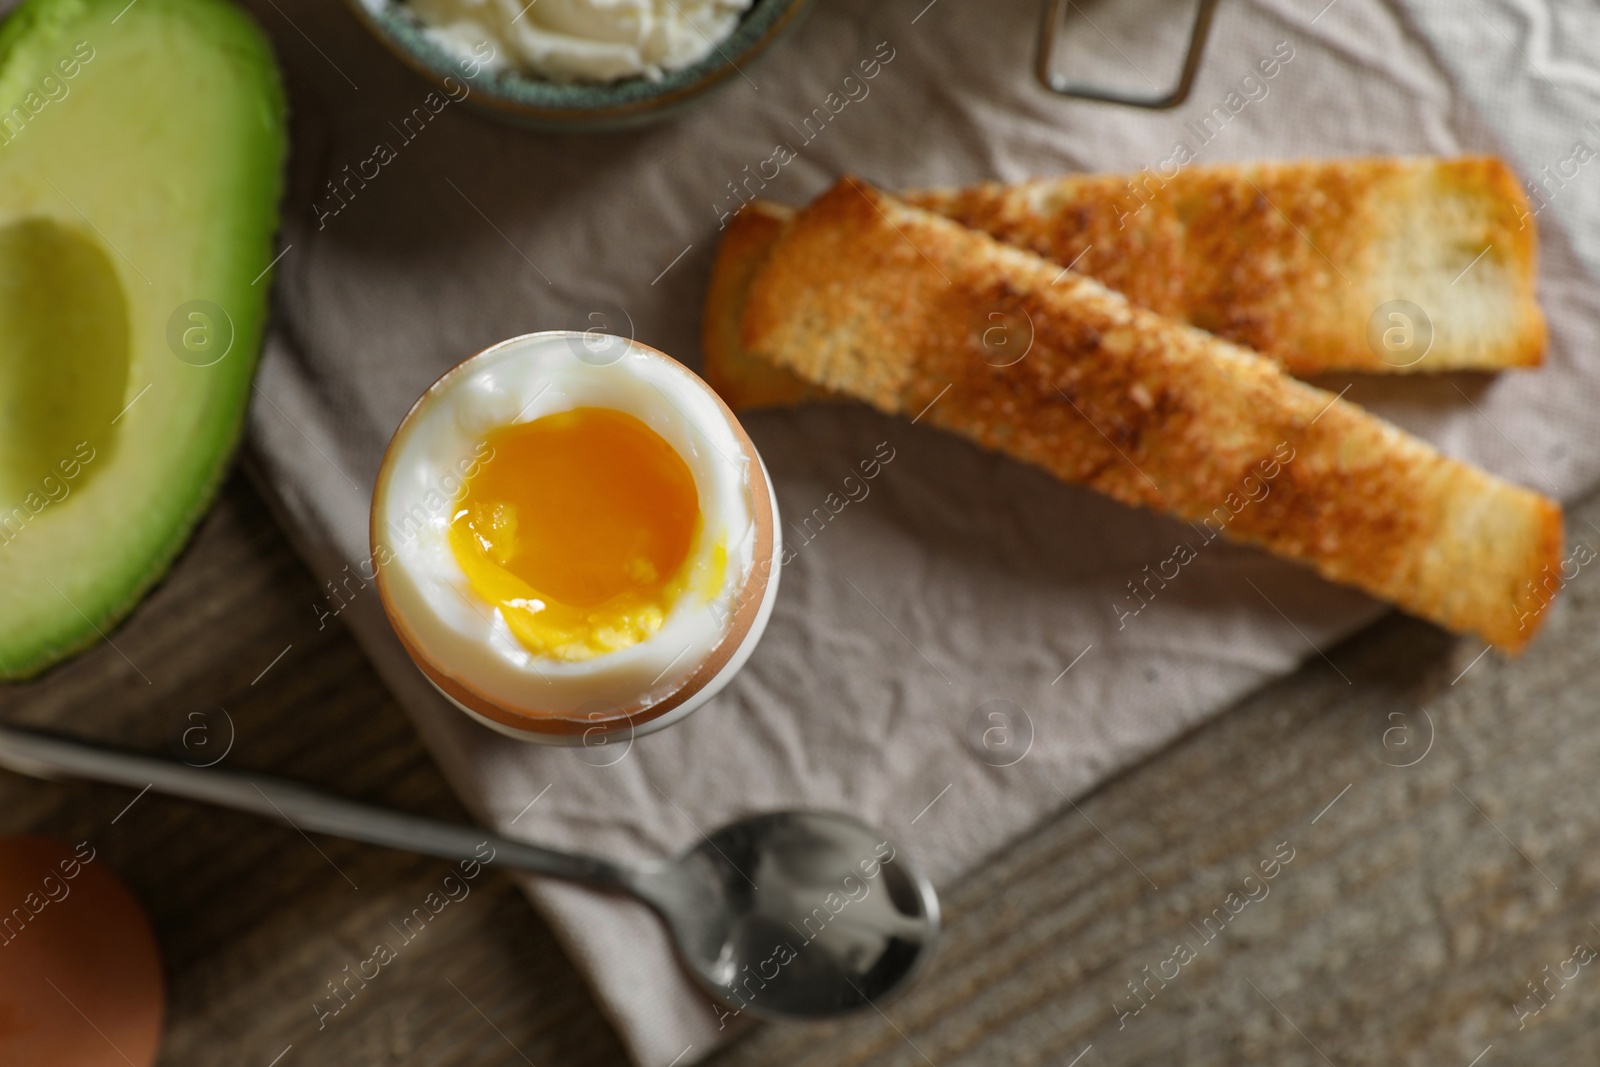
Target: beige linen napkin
<point>962,585</point>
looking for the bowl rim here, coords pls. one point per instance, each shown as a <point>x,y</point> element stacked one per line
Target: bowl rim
<point>743,628</point>
<point>616,102</point>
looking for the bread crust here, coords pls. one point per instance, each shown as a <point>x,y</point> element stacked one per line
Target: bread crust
<point>745,381</point>
<point>878,300</point>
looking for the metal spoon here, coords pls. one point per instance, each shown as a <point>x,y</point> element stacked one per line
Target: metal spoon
<point>791,914</point>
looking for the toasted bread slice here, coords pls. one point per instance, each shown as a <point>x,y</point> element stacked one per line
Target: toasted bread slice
<point>1295,260</point>
<point>872,298</point>
<point>742,380</point>
<point>1301,260</point>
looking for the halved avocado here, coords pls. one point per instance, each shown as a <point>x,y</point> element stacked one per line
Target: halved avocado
<point>141,161</point>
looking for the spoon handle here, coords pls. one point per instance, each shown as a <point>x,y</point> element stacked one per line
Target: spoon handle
<point>50,756</point>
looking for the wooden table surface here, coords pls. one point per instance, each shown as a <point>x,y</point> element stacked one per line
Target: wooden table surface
<point>1439,810</point>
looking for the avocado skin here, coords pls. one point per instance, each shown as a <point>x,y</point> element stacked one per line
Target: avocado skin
<point>229,30</point>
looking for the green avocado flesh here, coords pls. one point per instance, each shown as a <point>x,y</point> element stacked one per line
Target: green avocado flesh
<point>141,158</point>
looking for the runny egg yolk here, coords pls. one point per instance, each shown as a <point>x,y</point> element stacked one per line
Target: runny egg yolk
<point>578,529</point>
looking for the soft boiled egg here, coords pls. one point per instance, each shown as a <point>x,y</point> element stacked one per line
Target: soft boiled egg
<point>574,536</point>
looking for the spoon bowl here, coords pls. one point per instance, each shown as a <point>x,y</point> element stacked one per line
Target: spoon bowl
<point>798,914</point>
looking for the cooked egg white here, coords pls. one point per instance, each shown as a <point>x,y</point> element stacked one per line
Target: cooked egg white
<point>566,525</point>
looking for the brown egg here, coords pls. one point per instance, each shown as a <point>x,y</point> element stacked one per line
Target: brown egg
<point>80,974</point>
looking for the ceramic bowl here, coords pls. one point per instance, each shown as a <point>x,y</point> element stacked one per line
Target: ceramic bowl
<point>528,100</point>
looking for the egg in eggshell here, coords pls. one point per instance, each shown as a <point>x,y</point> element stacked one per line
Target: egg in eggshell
<point>80,975</point>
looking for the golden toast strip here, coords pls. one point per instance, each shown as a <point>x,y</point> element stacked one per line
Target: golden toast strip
<point>1291,259</point>
<point>743,380</point>
<point>883,302</point>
